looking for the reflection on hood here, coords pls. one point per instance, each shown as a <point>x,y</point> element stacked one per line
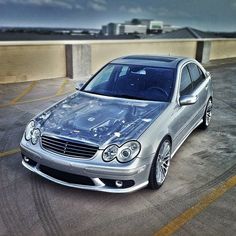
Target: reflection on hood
<point>99,120</point>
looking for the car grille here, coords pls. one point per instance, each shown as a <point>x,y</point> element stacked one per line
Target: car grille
<point>68,147</point>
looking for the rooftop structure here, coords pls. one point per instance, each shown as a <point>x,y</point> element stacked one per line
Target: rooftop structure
<point>133,29</point>
<point>189,33</point>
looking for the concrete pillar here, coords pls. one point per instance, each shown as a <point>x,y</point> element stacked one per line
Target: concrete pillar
<point>78,61</point>
<point>203,51</point>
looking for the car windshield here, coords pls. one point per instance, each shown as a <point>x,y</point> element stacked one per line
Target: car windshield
<point>134,82</point>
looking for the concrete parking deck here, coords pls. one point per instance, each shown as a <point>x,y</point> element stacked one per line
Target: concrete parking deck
<point>198,197</point>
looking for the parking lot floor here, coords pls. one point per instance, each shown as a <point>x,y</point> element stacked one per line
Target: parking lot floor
<point>198,197</point>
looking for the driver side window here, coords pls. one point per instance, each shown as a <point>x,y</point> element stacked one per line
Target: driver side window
<point>186,83</point>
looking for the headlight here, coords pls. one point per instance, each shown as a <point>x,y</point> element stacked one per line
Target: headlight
<point>110,153</point>
<point>128,151</point>
<point>31,133</point>
<point>29,130</point>
<point>125,153</point>
<point>35,136</point>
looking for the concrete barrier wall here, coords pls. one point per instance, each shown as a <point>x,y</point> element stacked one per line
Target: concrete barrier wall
<point>35,60</point>
<point>31,62</point>
<point>103,52</point>
<point>221,49</point>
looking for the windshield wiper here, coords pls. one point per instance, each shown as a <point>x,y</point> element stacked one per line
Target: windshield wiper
<point>118,95</point>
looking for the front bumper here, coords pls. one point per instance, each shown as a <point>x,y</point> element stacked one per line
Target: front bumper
<point>102,176</point>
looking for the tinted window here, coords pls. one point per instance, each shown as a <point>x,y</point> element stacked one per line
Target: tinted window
<point>196,76</point>
<point>124,71</point>
<point>185,84</point>
<point>134,81</point>
<point>202,76</point>
<point>102,79</point>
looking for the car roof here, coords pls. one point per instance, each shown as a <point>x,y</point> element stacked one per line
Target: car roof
<point>147,60</point>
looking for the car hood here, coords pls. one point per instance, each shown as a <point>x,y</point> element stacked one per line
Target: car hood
<point>99,120</point>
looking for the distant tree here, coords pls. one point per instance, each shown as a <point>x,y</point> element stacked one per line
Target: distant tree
<point>135,22</point>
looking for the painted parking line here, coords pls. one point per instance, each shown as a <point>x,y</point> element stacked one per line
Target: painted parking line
<point>9,152</point>
<point>190,213</point>
<point>62,87</point>
<point>23,93</point>
<point>35,100</point>
<point>45,98</point>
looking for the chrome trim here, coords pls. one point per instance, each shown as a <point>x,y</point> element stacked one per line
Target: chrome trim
<point>58,144</point>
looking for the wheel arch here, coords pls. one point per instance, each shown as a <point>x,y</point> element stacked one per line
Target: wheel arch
<point>152,181</point>
<point>167,136</point>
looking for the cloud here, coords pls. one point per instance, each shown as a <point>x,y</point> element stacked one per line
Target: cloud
<point>162,11</point>
<point>65,4</point>
<point>100,1</point>
<point>132,10</point>
<point>135,10</point>
<point>78,6</point>
<point>98,5</point>
<point>169,12</point>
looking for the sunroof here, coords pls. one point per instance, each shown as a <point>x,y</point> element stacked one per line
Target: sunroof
<point>151,58</point>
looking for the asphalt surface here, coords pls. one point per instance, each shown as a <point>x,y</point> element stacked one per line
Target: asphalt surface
<point>198,197</point>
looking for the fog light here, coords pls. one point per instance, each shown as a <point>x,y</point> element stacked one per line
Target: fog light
<point>26,159</point>
<point>119,183</point>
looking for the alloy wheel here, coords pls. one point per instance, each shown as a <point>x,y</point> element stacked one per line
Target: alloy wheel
<point>208,113</point>
<point>163,161</point>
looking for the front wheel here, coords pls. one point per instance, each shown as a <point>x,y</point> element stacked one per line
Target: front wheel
<point>160,165</point>
<point>207,115</point>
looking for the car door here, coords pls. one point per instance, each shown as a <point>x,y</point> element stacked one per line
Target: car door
<point>200,88</point>
<point>182,117</point>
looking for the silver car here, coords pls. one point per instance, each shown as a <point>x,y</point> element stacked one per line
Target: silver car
<point>119,131</point>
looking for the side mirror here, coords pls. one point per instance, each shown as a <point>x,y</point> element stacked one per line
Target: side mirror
<point>78,86</point>
<point>187,100</point>
<point>208,74</point>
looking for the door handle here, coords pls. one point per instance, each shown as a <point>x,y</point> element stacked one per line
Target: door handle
<point>206,87</point>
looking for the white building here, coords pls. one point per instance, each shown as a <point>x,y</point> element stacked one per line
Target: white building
<point>135,26</point>
<point>155,26</point>
<point>104,30</point>
<point>113,28</point>
<point>133,29</point>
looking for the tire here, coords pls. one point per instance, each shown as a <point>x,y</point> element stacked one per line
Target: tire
<point>160,165</point>
<point>207,115</point>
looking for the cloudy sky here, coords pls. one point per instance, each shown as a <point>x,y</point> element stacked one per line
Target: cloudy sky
<point>202,14</point>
